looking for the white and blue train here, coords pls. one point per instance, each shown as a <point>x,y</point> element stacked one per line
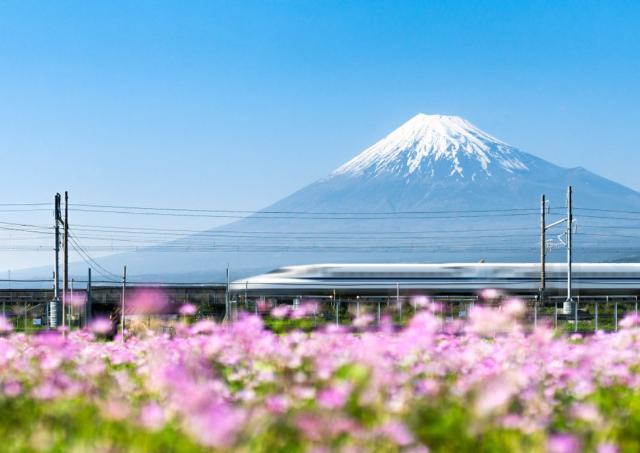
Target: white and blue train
<point>434,279</point>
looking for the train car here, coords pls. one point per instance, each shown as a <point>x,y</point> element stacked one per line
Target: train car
<point>440,279</point>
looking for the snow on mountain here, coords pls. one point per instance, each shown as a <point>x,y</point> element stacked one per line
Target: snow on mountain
<point>420,144</point>
<point>431,162</point>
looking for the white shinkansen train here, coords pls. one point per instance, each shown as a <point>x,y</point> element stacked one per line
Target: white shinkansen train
<point>451,278</point>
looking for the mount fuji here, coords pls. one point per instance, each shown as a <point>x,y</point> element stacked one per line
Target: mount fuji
<point>444,162</point>
<point>435,189</point>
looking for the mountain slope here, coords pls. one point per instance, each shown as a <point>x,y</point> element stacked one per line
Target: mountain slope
<point>435,189</point>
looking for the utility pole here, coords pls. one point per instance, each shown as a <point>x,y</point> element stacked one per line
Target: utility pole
<point>54,304</point>
<point>543,247</point>
<point>398,302</point>
<point>569,306</point>
<point>65,259</point>
<point>71,314</point>
<point>4,308</point>
<point>226,298</point>
<point>87,307</point>
<point>124,287</point>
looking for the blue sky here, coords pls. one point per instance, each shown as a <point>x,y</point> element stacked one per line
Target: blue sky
<point>235,104</point>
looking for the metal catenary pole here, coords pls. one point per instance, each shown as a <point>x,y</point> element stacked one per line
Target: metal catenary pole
<point>124,288</point>
<point>543,250</point>
<point>65,259</point>
<point>568,304</point>
<point>71,311</point>
<point>54,304</point>
<point>226,298</point>
<point>569,244</point>
<point>398,302</point>
<point>87,307</point>
<point>4,308</point>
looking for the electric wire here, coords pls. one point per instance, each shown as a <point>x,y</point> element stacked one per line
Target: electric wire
<point>100,269</point>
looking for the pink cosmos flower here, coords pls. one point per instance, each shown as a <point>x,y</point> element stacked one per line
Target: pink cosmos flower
<point>279,312</point>
<point>630,321</point>
<point>427,387</point>
<point>115,409</point>
<point>563,443</point>
<point>311,425</point>
<point>420,301</point>
<point>45,391</point>
<point>494,394</point>
<point>304,309</point>
<point>514,307</point>
<point>78,299</point>
<point>204,326</point>
<point>398,433</point>
<point>146,301</point>
<point>276,404</point>
<point>490,294</point>
<point>5,325</point>
<point>263,305</point>
<point>216,425</point>
<point>424,322</point>
<point>586,412</point>
<point>607,448</point>
<point>333,397</point>
<point>152,417</point>
<point>12,389</point>
<point>188,310</point>
<point>362,321</point>
<point>101,326</point>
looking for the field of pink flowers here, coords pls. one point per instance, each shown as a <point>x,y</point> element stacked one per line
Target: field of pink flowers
<point>485,385</point>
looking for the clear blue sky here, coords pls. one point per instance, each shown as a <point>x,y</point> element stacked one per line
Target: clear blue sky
<point>234,104</point>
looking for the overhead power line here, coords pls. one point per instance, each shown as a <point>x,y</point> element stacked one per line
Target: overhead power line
<point>90,261</point>
<point>266,211</point>
<point>354,216</point>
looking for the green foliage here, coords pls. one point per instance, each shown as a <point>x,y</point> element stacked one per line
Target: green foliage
<point>75,425</point>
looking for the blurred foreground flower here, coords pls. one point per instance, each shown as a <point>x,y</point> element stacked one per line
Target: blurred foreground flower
<point>75,299</point>
<point>146,301</point>
<point>188,310</point>
<point>101,326</point>
<point>430,386</point>
<point>5,325</point>
<point>362,321</point>
<point>279,312</point>
<point>563,443</point>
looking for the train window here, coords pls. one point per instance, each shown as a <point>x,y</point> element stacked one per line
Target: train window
<point>281,270</point>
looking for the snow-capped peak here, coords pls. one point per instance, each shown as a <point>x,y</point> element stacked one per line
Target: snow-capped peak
<point>428,145</point>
